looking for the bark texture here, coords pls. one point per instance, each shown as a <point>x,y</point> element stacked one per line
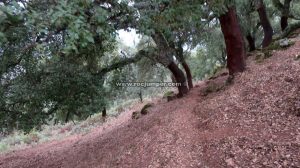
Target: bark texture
<point>180,78</point>
<point>188,74</point>
<point>165,57</point>
<point>179,55</point>
<point>285,12</point>
<point>268,30</point>
<point>234,41</point>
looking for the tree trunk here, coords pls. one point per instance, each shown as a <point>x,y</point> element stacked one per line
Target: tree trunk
<point>268,30</point>
<point>165,57</point>
<point>234,41</point>
<point>285,14</point>
<point>289,30</point>
<point>251,42</point>
<point>173,78</point>
<point>141,95</point>
<point>180,78</point>
<point>67,116</point>
<point>283,22</point>
<point>188,74</point>
<point>180,57</point>
<point>104,112</point>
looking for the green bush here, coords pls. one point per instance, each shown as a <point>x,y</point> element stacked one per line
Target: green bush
<point>3,147</point>
<point>168,93</point>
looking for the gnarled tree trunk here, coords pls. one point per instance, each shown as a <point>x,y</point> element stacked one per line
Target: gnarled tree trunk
<point>285,12</point>
<point>289,30</point>
<point>165,57</point>
<point>180,57</point>
<point>268,30</point>
<point>234,41</point>
<point>188,74</point>
<point>180,78</point>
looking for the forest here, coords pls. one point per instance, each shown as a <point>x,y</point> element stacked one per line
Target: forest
<point>61,60</point>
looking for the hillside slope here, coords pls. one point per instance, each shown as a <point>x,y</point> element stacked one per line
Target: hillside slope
<point>252,123</point>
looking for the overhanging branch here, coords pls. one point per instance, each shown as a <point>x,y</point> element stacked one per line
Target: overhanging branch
<point>122,63</point>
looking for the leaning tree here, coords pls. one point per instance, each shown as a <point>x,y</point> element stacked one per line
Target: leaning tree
<point>265,22</point>
<point>153,23</point>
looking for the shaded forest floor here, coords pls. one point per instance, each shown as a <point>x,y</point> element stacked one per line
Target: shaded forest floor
<point>253,122</point>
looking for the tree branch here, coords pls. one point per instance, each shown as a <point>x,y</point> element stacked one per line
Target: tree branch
<point>122,63</point>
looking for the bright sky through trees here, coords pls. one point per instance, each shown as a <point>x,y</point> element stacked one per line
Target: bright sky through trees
<point>130,39</point>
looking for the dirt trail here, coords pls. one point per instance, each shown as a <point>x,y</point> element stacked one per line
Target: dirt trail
<point>251,123</point>
<point>165,137</point>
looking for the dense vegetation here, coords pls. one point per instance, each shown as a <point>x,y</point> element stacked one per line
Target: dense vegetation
<point>60,60</point>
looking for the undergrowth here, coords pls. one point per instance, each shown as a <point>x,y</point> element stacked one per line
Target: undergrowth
<point>20,140</point>
<point>275,45</point>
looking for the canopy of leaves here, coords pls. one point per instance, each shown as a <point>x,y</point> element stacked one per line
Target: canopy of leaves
<point>52,55</point>
<point>60,60</point>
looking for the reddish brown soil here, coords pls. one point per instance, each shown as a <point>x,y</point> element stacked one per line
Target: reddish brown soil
<point>252,123</point>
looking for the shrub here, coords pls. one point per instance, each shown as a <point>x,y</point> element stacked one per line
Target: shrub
<point>3,147</point>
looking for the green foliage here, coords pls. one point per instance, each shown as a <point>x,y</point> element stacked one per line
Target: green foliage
<point>220,7</point>
<point>3,147</point>
<point>50,57</point>
<point>59,59</point>
<point>64,88</point>
<point>168,93</point>
<point>295,9</point>
<point>209,57</point>
<point>248,17</point>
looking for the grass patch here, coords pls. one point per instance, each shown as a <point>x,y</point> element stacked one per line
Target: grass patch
<point>18,139</point>
<point>280,44</point>
<point>3,147</point>
<point>168,93</point>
